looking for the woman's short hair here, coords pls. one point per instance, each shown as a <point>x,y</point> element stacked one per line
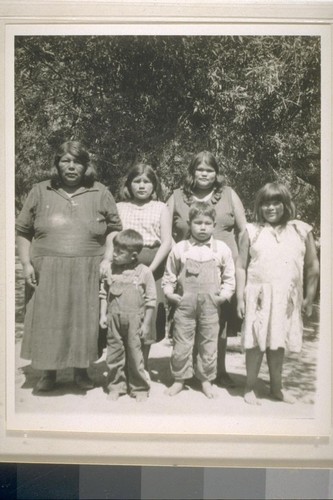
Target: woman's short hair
<point>201,208</point>
<point>135,171</point>
<point>79,152</point>
<point>202,157</point>
<point>274,191</point>
<point>129,239</point>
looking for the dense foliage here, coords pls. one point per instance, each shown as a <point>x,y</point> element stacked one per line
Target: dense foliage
<point>253,101</point>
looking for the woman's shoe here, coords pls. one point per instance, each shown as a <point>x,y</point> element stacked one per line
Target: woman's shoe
<point>47,382</point>
<point>82,380</point>
<point>224,380</point>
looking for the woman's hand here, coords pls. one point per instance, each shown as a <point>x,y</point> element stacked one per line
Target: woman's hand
<point>174,298</point>
<point>241,308</point>
<point>29,275</point>
<point>103,268</point>
<point>103,321</point>
<point>307,307</point>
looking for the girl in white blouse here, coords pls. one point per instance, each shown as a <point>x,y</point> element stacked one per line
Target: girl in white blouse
<point>142,210</point>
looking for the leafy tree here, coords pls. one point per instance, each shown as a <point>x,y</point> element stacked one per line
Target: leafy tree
<point>254,101</point>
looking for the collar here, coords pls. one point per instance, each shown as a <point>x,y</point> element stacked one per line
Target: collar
<point>94,187</point>
<point>196,243</point>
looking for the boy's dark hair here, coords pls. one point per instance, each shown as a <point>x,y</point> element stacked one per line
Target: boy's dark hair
<point>274,191</point>
<point>130,240</point>
<point>201,208</point>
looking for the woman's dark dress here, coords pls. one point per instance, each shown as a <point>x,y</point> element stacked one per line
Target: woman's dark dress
<point>62,313</point>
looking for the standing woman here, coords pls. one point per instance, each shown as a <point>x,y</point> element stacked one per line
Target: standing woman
<point>143,211</point>
<point>204,182</point>
<point>61,234</point>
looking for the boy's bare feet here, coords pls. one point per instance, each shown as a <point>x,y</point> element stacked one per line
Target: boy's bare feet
<point>284,396</point>
<point>251,398</point>
<point>207,389</point>
<point>175,388</point>
<point>141,397</point>
<point>113,395</point>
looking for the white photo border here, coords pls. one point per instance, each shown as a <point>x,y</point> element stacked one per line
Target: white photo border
<point>172,441</point>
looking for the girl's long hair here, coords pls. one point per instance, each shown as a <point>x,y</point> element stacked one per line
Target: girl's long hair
<point>209,159</point>
<point>76,149</point>
<point>137,170</point>
<point>274,191</point>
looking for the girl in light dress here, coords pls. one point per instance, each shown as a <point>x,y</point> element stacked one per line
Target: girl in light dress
<point>142,210</point>
<point>275,252</point>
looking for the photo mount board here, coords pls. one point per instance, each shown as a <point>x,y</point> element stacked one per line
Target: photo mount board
<point>165,440</point>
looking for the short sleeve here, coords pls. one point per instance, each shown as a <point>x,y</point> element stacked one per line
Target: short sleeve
<point>26,218</point>
<point>252,231</point>
<point>302,228</point>
<point>110,211</point>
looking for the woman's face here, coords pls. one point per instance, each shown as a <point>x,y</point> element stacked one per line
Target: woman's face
<point>71,170</point>
<point>142,188</point>
<point>204,176</point>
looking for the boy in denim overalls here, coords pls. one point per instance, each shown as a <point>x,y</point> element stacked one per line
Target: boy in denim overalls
<point>128,299</point>
<point>198,278</point>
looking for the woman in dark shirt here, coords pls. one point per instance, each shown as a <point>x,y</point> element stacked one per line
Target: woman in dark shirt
<point>61,235</point>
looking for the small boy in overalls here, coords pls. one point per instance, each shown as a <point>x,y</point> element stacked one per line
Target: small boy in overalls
<point>199,277</point>
<point>128,299</point>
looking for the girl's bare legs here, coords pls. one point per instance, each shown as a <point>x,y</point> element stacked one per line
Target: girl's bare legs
<point>145,352</point>
<point>275,359</point>
<point>223,378</point>
<point>253,359</point>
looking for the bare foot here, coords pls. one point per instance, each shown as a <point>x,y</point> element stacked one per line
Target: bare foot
<point>141,397</point>
<point>285,397</point>
<point>251,399</point>
<point>207,389</point>
<point>113,395</point>
<point>175,388</point>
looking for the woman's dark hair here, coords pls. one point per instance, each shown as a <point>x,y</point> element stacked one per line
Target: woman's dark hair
<point>76,149</point>
<point>274,191</point>
<point>141,169</point>
<point>209,159</point>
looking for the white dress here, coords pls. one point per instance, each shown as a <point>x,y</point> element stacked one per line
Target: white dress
<point>274,288</point>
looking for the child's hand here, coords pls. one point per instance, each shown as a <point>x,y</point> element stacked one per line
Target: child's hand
<point>241,308</point>
<point>103,321</point>
<point>307,307</point>
<point>219,300</point>
<point>29,275</point>
<point>174,298</point>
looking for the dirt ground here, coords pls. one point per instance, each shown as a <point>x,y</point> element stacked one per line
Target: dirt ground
<point>299,377</point>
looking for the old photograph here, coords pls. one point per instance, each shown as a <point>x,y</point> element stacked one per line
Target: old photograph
<point>170,244</point>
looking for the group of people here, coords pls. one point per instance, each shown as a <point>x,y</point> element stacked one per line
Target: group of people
<point>191,268</point>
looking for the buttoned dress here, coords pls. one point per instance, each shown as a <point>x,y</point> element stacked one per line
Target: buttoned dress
<point>62,313</point>
<point>274,287</point>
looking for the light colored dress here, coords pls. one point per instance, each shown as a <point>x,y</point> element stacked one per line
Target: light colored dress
<point>274,288</point>
<point>146,219</point>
